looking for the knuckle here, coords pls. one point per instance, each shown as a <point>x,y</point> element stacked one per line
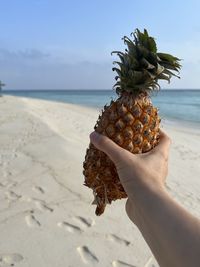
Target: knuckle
<point>163,155</point>
<point>169,140</point>
<point>103,141</point>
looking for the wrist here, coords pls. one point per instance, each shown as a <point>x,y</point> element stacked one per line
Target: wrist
<point>143,201</point>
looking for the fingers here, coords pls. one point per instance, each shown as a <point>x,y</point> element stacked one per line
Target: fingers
<point>163,146</point>
<point>106,145</point>
<point>116,153</point>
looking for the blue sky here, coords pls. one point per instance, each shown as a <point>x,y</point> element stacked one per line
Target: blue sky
<point>49,44</point>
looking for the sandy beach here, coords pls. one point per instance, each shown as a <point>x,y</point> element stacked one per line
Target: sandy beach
<point>46,216</point>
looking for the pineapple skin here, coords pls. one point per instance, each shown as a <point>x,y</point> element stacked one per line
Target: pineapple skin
<point>132,122</point>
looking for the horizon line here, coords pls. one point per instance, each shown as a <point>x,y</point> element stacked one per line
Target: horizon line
<point>83,89</point>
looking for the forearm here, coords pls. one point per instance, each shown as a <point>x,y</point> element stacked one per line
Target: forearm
<point>170,231</point>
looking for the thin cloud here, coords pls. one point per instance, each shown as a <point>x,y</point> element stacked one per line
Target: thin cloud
<point>26,54</point>
<point>37,69</point>
<point>34,69</point>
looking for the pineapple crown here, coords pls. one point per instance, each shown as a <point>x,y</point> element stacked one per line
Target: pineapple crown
<point>141,66</point>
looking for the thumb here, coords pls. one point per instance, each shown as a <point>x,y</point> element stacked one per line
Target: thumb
<point>106,145</point>
<point>163,147</point>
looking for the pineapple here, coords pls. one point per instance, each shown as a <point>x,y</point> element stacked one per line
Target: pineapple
<point>131,121</point>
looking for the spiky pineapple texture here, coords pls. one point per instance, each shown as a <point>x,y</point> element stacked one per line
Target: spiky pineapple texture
<point>141,66</point>
<point>131,121</point>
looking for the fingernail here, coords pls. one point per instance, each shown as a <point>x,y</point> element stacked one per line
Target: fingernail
<point>94,136</point>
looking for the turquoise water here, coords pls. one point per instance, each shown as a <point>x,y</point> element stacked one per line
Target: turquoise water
<point>178,105</point>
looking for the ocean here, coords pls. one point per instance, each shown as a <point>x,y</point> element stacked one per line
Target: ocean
<point>174,105</point>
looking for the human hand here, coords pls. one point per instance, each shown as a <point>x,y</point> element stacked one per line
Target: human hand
<point>138,173</point>
<point>172,233</point>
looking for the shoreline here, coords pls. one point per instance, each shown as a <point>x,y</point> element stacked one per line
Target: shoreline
<point>167,120</point>
<point>46,216</point>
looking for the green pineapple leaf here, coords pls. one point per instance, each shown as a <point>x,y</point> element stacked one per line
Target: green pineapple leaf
<point>141,66</point>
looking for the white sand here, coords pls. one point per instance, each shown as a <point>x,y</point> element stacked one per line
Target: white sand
<point>46,216</point>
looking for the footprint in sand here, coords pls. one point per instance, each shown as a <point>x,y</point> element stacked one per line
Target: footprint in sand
<point>85,222</point>
<point>11,195</point>
<point>32,221</point>
<point>10,259</point>
<point>38,189</point>
<point>70,227</point>
<point>118,263</point>
<point>118,239</point>
<point>41,205</point>
<point>86,255</point>
<point>11,184</point>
